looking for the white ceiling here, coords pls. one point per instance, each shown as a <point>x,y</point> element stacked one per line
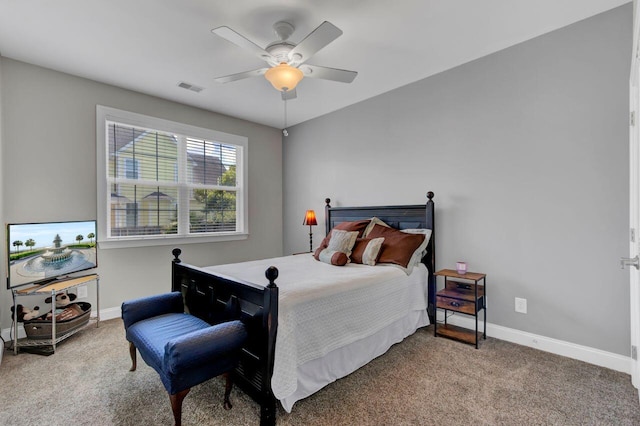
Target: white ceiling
<point>151,45</point>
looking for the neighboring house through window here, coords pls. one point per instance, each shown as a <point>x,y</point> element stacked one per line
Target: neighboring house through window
<point>159,179</point>
<point>131,168</point>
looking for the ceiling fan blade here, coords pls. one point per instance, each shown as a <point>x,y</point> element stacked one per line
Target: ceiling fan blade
<point>289,94</point>
<point>316,40</point>
<point>325,73</point>
<point>241,75</point>
<point>243,42</point>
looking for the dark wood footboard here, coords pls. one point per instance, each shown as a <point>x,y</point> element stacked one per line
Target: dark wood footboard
<point>216,299</point>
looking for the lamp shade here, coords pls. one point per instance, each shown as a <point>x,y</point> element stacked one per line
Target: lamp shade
<point>310,218</point>
<point>284,77</point>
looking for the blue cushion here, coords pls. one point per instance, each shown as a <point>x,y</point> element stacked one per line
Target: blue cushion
<point>198,356</point>
<point>185,350</point>
<point>214,343</point>
<point>151,335</point>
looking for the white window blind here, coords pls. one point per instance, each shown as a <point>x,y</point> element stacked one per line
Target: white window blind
<point>164,180</point>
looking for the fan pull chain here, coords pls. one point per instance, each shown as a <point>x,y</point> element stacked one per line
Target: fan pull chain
<point>284,130</point>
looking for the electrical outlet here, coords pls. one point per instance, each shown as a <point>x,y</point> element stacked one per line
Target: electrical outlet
<point>82,292</point>
<point>521,305</point>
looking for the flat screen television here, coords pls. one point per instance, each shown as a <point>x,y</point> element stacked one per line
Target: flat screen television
<point>42,252</point>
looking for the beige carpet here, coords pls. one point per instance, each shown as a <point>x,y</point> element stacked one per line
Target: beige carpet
<point>421,381</point>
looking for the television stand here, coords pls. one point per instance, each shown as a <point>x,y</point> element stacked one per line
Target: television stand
<point>51,289</point>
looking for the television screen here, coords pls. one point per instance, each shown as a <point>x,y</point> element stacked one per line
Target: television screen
<point>39,252</point>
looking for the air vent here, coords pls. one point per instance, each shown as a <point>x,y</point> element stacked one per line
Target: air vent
<point>190,86</point>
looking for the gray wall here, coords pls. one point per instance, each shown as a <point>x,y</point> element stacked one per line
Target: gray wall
<point>526,151</point>
<point>49,171</point>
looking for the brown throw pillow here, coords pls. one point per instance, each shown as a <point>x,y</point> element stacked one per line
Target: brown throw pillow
<point>398,246</point>
<point>366,251</point>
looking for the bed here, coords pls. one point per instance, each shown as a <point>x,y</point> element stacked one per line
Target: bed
<point>310,322</point>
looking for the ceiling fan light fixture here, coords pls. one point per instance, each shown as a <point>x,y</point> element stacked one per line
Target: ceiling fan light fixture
<point>284,77</point>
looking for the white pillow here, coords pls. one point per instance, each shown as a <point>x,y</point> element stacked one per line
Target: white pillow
<point>422,249</point>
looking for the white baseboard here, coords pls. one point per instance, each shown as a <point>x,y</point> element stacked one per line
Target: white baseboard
<point>110,313</point>
<point>105,314</point>
<point>559,347</point>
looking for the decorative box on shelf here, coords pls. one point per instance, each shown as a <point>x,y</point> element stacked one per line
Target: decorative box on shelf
<point>42,328</point>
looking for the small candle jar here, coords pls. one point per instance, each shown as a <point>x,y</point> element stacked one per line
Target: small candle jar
<point>461,267</point>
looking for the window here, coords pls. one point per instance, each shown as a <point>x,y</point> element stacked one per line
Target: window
<point>131,167</point>
<point>160,180</point>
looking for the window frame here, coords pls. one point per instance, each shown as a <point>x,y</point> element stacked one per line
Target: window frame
<point>105,240</point>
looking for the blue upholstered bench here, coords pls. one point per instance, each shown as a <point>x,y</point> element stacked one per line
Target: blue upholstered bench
<point>183,349</point>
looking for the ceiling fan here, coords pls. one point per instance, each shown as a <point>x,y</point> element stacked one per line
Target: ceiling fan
<point>287,60</point>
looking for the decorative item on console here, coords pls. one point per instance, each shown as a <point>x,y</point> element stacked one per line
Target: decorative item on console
<point>62,299</point>
<point>24,314</point>
<point>65,308</point>
<point>461,267</point>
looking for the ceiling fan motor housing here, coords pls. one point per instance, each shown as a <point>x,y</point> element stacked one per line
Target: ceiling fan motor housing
<point>283,30</point>
<point>280,50</point>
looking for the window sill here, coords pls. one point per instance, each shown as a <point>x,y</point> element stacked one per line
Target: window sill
<point>169,240</point>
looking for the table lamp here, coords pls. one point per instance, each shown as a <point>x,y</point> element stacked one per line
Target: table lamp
<point>310,220</point>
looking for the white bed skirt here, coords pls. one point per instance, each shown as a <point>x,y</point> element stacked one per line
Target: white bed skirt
<point>317,373</point>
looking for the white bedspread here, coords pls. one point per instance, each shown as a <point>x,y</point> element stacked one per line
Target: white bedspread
<point>324,307</point>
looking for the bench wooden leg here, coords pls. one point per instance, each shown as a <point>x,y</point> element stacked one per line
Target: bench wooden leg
<point>176,405</point>
<point>228,376</point>
<point>132,352</point>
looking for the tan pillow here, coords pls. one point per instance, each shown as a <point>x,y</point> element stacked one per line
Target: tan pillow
<point>366,251</point>
<point>358,225</point>
<point>340,242</point>
<point>398,247</point>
